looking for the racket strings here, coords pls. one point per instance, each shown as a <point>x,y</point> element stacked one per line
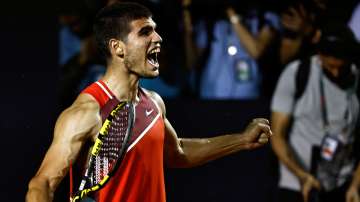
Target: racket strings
<point>112,144</point>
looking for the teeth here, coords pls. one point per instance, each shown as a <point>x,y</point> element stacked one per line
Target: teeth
<point>154,51</point>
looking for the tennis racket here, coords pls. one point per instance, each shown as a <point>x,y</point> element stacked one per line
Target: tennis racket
<point>108,151</point>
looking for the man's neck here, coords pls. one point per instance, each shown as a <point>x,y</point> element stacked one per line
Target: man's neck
<point>123,84</point>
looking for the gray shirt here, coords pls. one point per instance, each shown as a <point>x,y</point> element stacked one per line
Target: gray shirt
<point>308,127</point>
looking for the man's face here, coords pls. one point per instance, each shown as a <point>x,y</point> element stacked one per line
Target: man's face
<point>143,48</point>
<point>332,64</point>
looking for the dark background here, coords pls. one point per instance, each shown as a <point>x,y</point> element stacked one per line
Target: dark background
<point>28,97</point>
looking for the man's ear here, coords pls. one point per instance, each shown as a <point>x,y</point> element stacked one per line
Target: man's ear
<point>117,48</point>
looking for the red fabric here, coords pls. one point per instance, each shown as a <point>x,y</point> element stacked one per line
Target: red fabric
<point>140,177</point>
<point>96,91</point>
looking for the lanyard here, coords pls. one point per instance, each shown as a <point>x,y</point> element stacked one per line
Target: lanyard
<point>323,108</point>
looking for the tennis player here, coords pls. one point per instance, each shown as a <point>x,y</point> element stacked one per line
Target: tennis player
<point>125,33</point>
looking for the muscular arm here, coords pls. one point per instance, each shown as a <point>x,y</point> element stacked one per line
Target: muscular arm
<point>73,127</point>
<point>191,152</point>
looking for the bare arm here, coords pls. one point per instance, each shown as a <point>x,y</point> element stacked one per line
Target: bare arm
<point>280,123</point>
<point>352,194</point>
<point>356,177</point>
<point>194,151</point>
<point>255,45</point>
<point>73,127</point>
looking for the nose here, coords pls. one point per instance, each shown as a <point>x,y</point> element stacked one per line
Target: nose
<point>157,38</point>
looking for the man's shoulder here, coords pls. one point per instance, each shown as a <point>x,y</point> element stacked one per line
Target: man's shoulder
<point>85,99</point>
<point>84,103</point>
<point>82,117</point>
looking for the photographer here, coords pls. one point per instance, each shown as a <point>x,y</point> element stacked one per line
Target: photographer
<point>315,112</point>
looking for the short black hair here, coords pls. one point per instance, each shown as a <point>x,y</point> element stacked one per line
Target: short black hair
<point>113,21</point>
<point>337,39</point>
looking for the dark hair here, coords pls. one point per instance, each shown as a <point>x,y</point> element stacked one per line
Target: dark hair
<point>338,40</point>
<point>113,21</point>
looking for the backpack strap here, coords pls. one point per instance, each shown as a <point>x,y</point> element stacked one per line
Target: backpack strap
<point>302,77</point>
<point>301,80</point>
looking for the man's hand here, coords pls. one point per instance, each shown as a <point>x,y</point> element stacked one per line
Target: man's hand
<point>232,15</point>
<point>309,182</point>
<point>257,133</point>
<point>352,194</point>
<point>230,12</point>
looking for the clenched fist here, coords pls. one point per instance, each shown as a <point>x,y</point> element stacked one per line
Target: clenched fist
<point>257,133</point>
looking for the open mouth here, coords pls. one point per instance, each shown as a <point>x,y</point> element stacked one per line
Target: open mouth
<point>152,57</point>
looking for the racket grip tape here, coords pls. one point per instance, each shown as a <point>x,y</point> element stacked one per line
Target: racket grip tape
<point>96,149</point>
<point>105,127</point>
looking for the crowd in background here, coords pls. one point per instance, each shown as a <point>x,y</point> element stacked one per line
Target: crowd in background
<point>212,49</point>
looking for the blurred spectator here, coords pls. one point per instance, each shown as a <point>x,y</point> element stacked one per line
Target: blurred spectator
<point>315,112</point>
<point>355,22</point>
<point>301,19</point>
<point>69,42</point>
<point>235,43</point>
<point>299,25</point>
<point>81,64</point>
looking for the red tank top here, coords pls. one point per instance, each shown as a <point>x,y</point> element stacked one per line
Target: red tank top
<point>140,177</point>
